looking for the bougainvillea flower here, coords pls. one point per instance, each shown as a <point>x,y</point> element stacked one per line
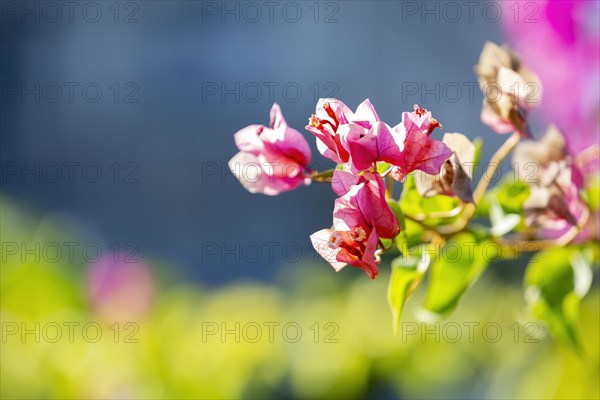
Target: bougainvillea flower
<point>368,146</point>
<point>510,90</point>
<point>454,178</point>
<point>554,202</point>
<point>532,157</point>
<point>361,216</point>
<point>272,159</point>
<point>341,248</point>
<point>333,121</point>
<point>365,193</point>
<point>418,150</point>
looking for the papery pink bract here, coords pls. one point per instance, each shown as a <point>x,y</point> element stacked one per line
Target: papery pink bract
<point>341,248</point>
<point>361,139</point>
<point>420,151</point>
<point>361,145</point>
<point>345,136</point>
<point>510,89</point>
<point>554,203</point>
<point>272,159</point>
<point>324,124</point>
<point>360,217</point>
<point>454,179</point>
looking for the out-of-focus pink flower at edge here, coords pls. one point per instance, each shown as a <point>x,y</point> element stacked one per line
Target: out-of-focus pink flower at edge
<point>561,43</point>
<point>119,290</point>
<point>272,159</point>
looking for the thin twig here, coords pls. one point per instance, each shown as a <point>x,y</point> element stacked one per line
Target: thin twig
<point>322,176</point>
<point>562,241</point>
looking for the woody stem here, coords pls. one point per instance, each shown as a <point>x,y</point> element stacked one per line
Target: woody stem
<point>322,176</point>
<point>497,158</point>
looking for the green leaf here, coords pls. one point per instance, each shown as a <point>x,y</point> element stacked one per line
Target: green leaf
<point>411,236</point>
<point>393,204</point>
<point>501,223</point>
<point>460,262</point>
<point>555,282</point>
<point>439,203</point>
<point>512,195</point>
<point>407,273</point>
<point>413,204</point>
<point>410,201</point>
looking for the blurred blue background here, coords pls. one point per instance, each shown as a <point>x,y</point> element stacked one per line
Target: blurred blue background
<point>168,126</point>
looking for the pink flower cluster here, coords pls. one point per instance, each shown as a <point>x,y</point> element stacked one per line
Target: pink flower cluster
<point>360,139</point>
<point>361,216</point>
<point>356,141</point>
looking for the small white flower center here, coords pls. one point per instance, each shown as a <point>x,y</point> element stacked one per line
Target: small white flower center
<point>335,240</point>
<point>360,234</point>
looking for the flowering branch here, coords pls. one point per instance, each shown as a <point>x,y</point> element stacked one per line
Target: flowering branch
<point>366,217</point>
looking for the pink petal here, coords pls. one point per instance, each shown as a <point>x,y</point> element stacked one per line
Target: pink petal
<point>367,260</point>
<point>421,152</point>
<point>360,143</point>
<point>277,119</point>
<point>346,211</point>
<point>493,120</point>
<point>288,142</point>
<point>322,245</point>
<point>249,170</point>
<point>365,114</point>
<point>343,181</point>
<point>390,143</point>
<point>328,152</point>
<point>374,208</point>
<point>247,139</point>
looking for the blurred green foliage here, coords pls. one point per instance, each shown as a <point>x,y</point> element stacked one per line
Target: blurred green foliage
<point>338,343</point>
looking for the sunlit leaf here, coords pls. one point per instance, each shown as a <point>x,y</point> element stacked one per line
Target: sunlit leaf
<point>512,195</point>
<point>501,223</point>
<point>382,167</point>
<point>459,263</point>
<point>393,204</point>
<point>407,273</point>
<point>410,201</point>
<point>555,282</point>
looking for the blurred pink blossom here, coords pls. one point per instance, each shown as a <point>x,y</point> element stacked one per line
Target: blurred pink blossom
<point>561,43</point>
<point>120,289</point>
<point>272,159</point>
